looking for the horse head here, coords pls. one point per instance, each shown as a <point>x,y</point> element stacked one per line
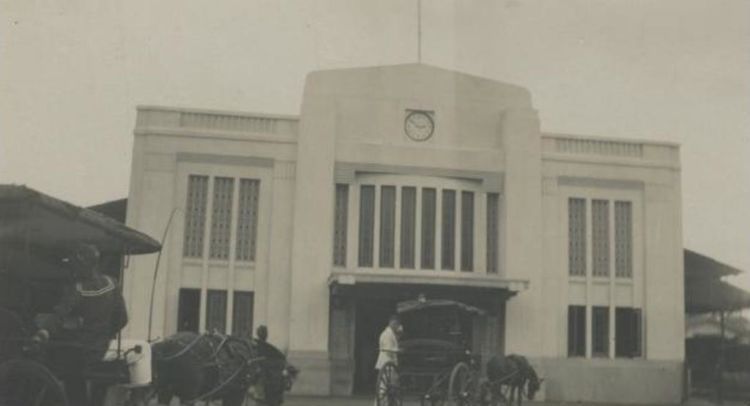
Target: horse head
<point>533,385</point>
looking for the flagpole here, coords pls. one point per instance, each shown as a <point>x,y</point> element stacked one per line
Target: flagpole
<point>419,31</point>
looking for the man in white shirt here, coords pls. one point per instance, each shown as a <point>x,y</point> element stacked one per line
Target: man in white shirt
<point>388,346</point>
<point>389,343</point>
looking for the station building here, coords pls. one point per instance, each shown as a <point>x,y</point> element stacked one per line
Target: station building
<point>402,181</point>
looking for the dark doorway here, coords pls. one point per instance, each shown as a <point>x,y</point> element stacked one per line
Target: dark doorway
<point>371,318</point>
<point>189,310</point>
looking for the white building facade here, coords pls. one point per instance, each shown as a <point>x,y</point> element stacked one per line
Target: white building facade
<point>404,180</point>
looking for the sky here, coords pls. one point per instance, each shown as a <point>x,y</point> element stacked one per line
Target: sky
<point>72,72</point>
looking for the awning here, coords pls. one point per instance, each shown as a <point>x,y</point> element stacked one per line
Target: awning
<point>699,266</point>
<point>713,295</point>
<point>483,291</point>
<point>31,217</point>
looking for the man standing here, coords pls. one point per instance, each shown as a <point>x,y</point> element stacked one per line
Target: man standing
<point>88,316</point>
<point>388,343</point>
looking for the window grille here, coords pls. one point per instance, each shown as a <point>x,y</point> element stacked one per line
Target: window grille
<point>600,331</point>
<point>467,231</point>
<point>600,237</point>
<point>216,311</point>
<point>623,239</point>
<point>242,314</point>
<point>195,216</point>
<point>387,225</point>
<point>340,217</point>
<point>247,219</point>
<point>576,331</point>
<point>429,200</point>
<point>408,225</point>
<point>577,236</point>
<point>448,233</point>
<point>493,215</point>
<point>366,224</point>
<point>221,218</point>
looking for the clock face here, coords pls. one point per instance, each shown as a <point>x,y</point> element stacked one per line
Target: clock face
<point>419,125</point>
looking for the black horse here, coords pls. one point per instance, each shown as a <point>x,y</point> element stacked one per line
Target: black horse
<point>203,367</point>
<point>513,372</point>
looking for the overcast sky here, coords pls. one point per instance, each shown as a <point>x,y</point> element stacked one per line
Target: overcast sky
<point>72,72</point>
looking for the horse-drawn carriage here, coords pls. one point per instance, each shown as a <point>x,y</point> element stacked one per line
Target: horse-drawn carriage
<point>37,233</point>
<point>437,366</point>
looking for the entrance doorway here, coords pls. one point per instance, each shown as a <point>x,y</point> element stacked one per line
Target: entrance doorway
<point>371,318</point>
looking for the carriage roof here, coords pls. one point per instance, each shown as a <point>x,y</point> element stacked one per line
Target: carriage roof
<point>33,218</point>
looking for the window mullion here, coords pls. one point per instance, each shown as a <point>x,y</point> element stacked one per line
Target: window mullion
<point>376,228</point>
<point>206,254</point>
<point>397,229</point>
<point>418,228</point>
<point>233,223</point>
<point>457,234</point>
<point>438,246</point>
<point>352,221</point>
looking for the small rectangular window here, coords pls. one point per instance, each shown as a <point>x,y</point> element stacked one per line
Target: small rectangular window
<point>188,310</point>
<point>600,237</point>
<point>448,227</point>
<point>577,236</point>
<point>247,219</point>
<point>429,200</point>
<point>600,331</point>
<point>408,226</point>
<point>221,218</point>
<point>628,334</point>
<point>493,215</point>
<point>242,314</point>
<point>340,217</point>
<point>467,231</point>
<point>623,239</point>
<point>366,225</point>
<point>387,225</point>
<point>576,331</point>
<point>195,216</point>
<point>216,311</point>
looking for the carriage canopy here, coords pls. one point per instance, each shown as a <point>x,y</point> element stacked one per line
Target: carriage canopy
<point>29,217</point>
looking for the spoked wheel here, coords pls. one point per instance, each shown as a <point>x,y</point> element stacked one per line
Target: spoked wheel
<point>387,390</point>
<point>463,385</point>
<point>29,383</point>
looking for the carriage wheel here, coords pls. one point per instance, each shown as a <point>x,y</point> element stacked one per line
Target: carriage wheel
<point>387,391</point>
<point>463,385</point>
<point>29,383</point>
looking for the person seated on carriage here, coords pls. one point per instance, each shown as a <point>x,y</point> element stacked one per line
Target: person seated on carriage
<point>89,314</point>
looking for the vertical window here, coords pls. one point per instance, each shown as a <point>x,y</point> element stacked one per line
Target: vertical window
<point>448,228</point>
<point>623,239</point>
<point>628,332</point>
<point>600,331</point>
<point>467,231</point>
<point>408,225</point>
<point>188,310</point>
<point>577,236</point>
<point>216,311</point>
<point>340,216</point>
<point>600,237</point>
<point>576,331</point>
<point>242,314</point>
<point>366,224</point>
<point>247,219</point>
<point>493,215</point>
<point>195,216</point>
<point>221,218</point>
<point>429,200</point>
<point>387,225</point>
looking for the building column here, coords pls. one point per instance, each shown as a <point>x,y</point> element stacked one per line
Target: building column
<point>312,243</point>
<point>523,229</point>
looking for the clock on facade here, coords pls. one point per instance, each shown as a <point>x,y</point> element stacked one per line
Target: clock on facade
<point>419,124</point>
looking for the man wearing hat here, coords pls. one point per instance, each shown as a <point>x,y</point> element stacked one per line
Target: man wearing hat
<point>90,313</point>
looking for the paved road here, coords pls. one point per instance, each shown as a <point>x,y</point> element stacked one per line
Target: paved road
<point>358,401</point>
